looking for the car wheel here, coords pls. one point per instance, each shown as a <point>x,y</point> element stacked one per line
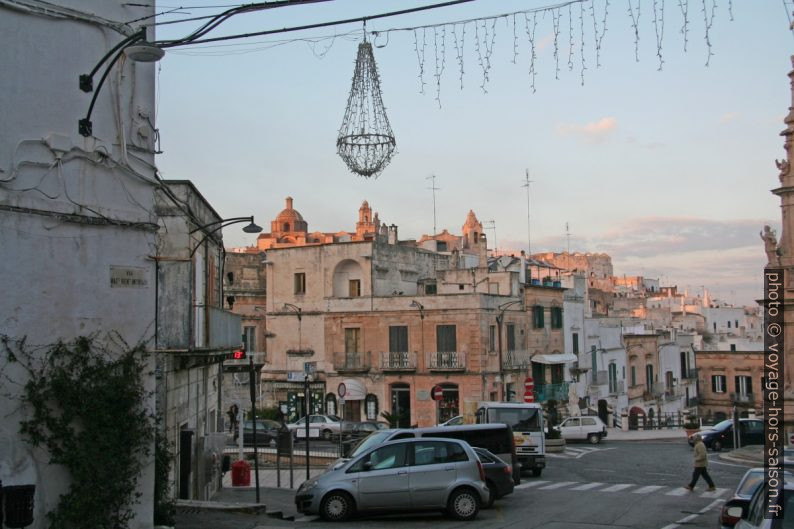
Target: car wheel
<point>716,445</point>
<point>594,438</point>
<point>536,472</point>
<point>337,506</point>
<point>463,504</point>
<point>492,495</point>
<point>327,435</point>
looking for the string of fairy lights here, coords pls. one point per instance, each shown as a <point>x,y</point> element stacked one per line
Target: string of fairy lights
<point>576,30</point>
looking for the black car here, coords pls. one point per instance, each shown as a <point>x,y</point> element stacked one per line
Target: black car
<point>752,479</point>
<point>266,431</point>
<point>720,435</point>
<point>498,475</point>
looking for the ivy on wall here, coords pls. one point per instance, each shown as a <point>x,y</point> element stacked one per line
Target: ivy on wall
<point>87,407</point>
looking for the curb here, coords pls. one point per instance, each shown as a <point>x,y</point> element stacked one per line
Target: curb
<point>744,460</point>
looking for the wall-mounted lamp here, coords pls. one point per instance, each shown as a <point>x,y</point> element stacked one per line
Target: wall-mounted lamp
<point>415,304</point>
<point>250,228</point>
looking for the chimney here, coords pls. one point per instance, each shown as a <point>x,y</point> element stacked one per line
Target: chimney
<point>289,202</point>
<point>393,234</point>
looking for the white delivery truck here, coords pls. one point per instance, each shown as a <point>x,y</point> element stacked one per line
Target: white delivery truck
<point>526,421</point>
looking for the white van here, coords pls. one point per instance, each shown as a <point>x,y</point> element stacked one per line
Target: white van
<point>526,421</point>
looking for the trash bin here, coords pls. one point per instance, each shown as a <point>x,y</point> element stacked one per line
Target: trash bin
<point>284,443</point>
<point>241,474</point>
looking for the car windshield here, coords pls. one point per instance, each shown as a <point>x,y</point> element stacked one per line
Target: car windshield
<point>334,418</point>
<point>371,440</point>
<point>519,419</point>
<point>750,483</point>
<point>722,425</point>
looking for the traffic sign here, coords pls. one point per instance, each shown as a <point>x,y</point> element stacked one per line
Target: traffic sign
<point>341,390</point>
<point>529,397</point>
<point>437,392</point>
<point>529,384</point>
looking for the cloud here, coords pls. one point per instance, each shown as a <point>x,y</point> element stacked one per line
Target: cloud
<point>593,132</point>
<point>728,117</point>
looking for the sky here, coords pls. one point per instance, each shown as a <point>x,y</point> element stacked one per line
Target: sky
<point>668,170</point>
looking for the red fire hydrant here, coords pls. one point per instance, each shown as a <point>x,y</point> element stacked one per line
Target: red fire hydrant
<point>241,474</point>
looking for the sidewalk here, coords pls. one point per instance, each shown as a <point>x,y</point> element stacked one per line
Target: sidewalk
<point>669,434</point>
<point>747,455</point>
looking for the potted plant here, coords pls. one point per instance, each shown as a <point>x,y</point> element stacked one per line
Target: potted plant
<point>554,440</point>
<point>547,281</point>
<point>691,425</point>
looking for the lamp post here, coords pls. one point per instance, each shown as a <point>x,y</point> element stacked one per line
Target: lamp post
<point>499,319</point>
<point>415,304</point>
<point>250,228</point>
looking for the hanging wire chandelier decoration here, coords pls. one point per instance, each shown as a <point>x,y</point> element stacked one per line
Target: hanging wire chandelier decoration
<point>366,142</point>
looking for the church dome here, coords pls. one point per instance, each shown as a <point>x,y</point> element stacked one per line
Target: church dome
<point>289,220</point>
<point>289,213</point>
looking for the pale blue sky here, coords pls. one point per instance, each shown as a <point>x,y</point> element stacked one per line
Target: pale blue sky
<point>668,171</point>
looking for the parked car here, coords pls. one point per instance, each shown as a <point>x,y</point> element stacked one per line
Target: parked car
<point>751,480</point>
<point>720,435</point>
<point>361,429</point>
<point>327,425</point>
<point>590,428</point>
<point>498,475</point>
<point>751,515</point>
<point>266,431</point>
<point>454,421</point>
<point>403,475</point>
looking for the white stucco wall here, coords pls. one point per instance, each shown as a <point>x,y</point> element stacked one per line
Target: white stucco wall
<point>55,275</point>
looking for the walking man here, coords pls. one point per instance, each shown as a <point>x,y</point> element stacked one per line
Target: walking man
<point>701,461</point>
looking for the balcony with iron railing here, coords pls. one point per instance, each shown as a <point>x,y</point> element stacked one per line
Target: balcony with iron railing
<point>546,392</point>
<point>446,361</point>
<point>654,392</point>
<point>692,374</point>
<point>516,360</point>
<point>398,361</point>
<point>618,387</point>
<point>205,330</point>
<point>742,398</point>
<point>352,362</point>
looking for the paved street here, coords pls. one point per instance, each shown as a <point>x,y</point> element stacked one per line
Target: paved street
<point>615,484</point>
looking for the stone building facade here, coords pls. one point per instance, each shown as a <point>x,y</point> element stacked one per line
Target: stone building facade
<point>728,378</point>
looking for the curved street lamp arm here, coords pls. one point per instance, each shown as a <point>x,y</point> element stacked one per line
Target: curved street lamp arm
<point>224,223</point>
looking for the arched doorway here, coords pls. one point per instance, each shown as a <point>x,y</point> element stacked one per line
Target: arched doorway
<point>634,417</point>
<point>330,404</point>
<point>401,404</point>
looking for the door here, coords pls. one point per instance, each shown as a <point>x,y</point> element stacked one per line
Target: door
<point>433,469</point>
<point>401,404</point>
<point>185,462</point>
<point>571,428</point>
<point>383,481</point>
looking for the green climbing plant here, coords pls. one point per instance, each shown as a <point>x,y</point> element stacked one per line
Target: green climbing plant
<point>86,405</point>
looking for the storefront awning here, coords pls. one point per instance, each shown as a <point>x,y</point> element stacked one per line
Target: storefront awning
<point>354,389</point>
<point>560,358</point>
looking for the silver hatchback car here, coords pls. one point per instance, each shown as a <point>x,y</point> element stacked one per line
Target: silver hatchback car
<point>408,474</point>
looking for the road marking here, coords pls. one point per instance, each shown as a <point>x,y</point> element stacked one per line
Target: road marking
<point>647,489</point>
<point>660,474</point>
<point>678,491</point>
<point>558,485</point>
<point>588,486</point>
<point>714,494</point>
<point>691,517</point>
<point>615,488</point>
<point>730,464</point>
<point>576,453</point>
<point>527,484</point>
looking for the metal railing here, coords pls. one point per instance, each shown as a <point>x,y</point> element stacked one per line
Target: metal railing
<point>446,361</point>
<point>692,373</point>
<point>398,361</point>
<point>544,392</point>
<point>354,362</point>
<point>742,398</point>
<point>516,359</point>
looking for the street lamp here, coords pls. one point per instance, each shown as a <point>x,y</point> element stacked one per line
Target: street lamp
<point>415,304</point>
<point>499,319</point>
<point>250,228</point>
<point>299,313</point>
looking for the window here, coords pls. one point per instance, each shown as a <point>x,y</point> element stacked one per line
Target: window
<point>743,385</point>
<point>352,340</point>
<point>572,422</point>
<point>249,338</point>
<point>633,375</point>
<point>613,378</point>
<point>733,347</point>
<point>729,324</point>
<point>511,337</point>
<point>330,404</point>
<point>430,288</point>
<point>556,317</point>
<point>441,246</point>
<point>537,317</point>
<point>285,227</point>
<point>461,286</point>
<point>718,383</point>
<point>736,324</point>
<point>371,407</point>
<point>300,283</point>
<point>437,452</point>
<point>355,288</point>
<point>587,421</point>
<point>492,338</point>
<point>593,360</point>
<point>649,376</point>
<point>445,339</point>
<point>575,340</point>
<point>392,456</point>
<point>668,380</point>
<point>398,339</point>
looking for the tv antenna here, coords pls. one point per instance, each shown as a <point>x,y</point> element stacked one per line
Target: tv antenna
<point>491,225</point>
<point>526,183</point>
<point>567,239</point>
<point>434,189</point>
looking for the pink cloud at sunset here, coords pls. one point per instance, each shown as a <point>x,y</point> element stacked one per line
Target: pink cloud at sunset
<point>593,132</point>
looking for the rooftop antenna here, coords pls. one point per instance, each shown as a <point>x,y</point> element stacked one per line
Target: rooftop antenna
<point>568,238</point>
<point>434,189</point>
<point>526,183</point>
<point>491,225</point>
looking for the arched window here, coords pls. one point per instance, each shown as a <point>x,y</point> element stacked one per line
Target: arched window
<point>371,407</point>
<point>330,404</point>
<point>285,227</point>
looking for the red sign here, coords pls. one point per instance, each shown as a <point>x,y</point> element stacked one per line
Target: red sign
<point>529,384</point>
<point>437,392</point>
<point>238,354</point>
<point>529,397</point>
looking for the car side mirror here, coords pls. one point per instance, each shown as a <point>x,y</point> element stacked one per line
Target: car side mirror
<point>735,511</point>
<point>366,466</point>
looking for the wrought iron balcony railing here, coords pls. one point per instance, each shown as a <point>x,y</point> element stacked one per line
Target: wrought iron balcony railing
<point>446,361</point>
<point>397,361</point>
